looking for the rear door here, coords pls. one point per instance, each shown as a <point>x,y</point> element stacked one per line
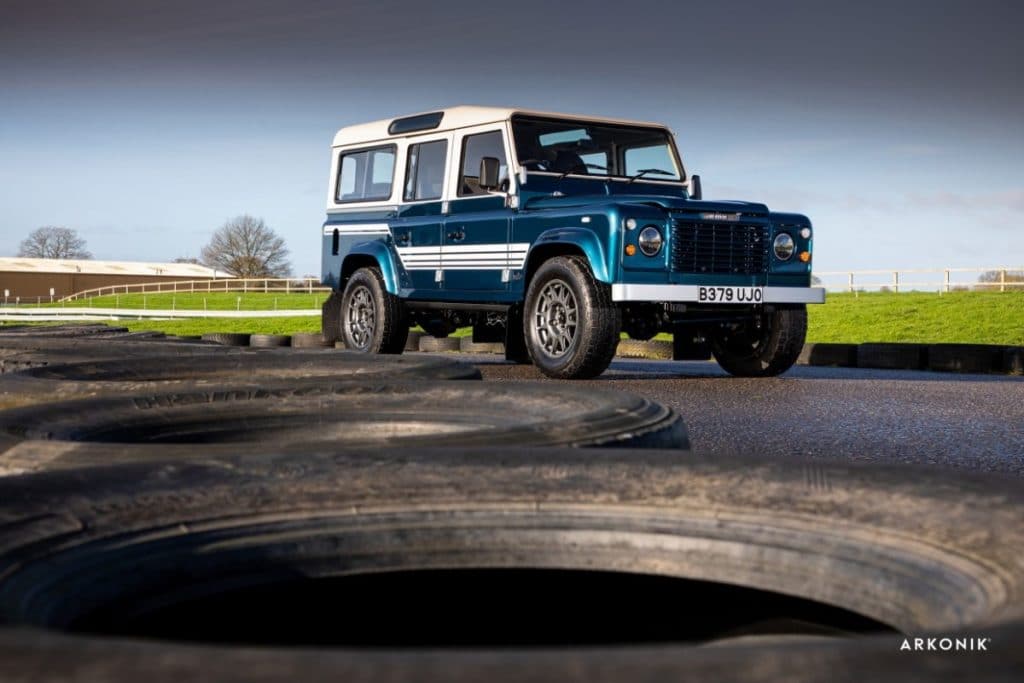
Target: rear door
<point>420,221</point>
<point>475,253</point>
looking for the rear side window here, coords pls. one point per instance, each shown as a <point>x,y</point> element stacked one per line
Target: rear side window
<point>365,175</point>
<point>475,148</point>
<point>424,174</point>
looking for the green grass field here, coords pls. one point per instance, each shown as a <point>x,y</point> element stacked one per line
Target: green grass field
<point>957,317</point>
<point>922,317</point>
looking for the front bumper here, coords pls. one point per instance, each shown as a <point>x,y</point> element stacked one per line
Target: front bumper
<point>691,293</point>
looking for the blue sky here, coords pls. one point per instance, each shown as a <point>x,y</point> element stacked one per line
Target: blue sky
<point>146,125</point>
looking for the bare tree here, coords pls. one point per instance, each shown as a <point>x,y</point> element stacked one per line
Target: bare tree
<point>52,241</point>
<point>246,247</point>
<point>995,276</point>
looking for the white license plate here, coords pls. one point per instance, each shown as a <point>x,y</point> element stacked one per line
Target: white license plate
<point>730,295</point>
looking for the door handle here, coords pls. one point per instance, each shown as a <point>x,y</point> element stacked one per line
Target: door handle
<point>457,235</point>
<point>404,238</point>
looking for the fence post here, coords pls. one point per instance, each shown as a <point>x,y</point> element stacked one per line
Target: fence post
<point>945,280</point>
<point>896,281</point>
<point>851,281</point>
<point>264,286</point>
<point>1002,280</point>
<point>287,286</point>
<point>309,283</point>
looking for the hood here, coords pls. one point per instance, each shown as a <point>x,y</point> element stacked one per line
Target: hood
<point>669,203</point>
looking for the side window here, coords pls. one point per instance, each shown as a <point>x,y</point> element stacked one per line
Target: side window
<point>365,175</point>
<point>424,172</point>
<point>475,148</point>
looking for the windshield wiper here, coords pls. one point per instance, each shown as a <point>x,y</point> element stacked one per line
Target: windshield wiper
<point>597,166</point>
<point>645,171</point>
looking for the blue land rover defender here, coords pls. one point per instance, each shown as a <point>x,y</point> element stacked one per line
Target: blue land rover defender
<point>554,234</point>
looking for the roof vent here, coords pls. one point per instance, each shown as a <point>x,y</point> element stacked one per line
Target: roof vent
<point>410,124</point>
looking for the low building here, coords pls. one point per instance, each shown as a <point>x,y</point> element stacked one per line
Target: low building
<point>32,279</point>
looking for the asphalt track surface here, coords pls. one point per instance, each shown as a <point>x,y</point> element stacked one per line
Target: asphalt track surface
<point>962,421</point>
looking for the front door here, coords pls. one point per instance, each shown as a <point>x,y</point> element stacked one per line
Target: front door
<point>475,254</point>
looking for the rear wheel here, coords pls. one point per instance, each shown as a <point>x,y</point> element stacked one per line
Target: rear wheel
<point>768,345</point>
<point>372,320</point>
<point>570,324</point>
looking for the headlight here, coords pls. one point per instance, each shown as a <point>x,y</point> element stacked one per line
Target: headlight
<point>805,233</point>
<point>784,246</point>
<point>650,240</point>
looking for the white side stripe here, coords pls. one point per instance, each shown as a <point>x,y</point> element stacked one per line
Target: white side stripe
<point>358,229</point>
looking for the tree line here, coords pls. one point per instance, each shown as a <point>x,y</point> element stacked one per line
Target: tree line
<point>244,246</point>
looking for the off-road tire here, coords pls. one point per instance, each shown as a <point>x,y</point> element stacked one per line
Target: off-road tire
<point>770,352</point>
<point>390,327</point>
<point>598,321</point>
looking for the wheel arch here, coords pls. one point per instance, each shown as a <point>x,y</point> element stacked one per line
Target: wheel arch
<point>568,242</point>
<point>370,255</point>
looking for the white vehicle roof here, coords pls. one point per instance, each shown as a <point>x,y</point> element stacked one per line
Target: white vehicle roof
<point>459,117</point>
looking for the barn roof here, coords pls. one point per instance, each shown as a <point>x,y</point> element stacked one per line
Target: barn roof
<point>91,267</point>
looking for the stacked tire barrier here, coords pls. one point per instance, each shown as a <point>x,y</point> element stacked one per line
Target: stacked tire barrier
<point>962,358</point>
<point>183,511</point>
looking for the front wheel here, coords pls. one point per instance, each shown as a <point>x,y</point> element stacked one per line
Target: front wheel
<point>371,320</point>
<point>767,345</point>
<point>570,324</point>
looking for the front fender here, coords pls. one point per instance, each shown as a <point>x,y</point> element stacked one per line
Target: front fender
<point>583,239</point>
<point>380,252</point>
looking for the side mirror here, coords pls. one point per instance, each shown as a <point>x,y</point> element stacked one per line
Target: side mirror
<point>489,167</point>
<point>695,189</point>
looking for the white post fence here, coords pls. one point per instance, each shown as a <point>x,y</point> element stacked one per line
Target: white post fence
<point>941,280</point>
<point>244,285</point>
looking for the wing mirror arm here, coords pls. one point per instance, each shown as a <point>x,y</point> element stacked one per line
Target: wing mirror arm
<point>695,189</point>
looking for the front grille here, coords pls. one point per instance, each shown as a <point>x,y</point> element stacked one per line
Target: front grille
<point>727,248</point>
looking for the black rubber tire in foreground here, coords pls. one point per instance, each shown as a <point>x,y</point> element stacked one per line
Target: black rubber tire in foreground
<point>412,342</point>
<point>111,545</point>
<point>309,340</point>
<point>597,323</point>
<point>431,344</point>
<point>302,367</point>
<point>68,330</point>
<point>840,355</point>
<point>330,319</point>
<point>390,326</point>
<point>977,358</point>
<point>764,352</point>
<point>29,351</point>
<point>337,415</point>
<point>227,338</point>
<point>892,356</point>
<point>269,341</point>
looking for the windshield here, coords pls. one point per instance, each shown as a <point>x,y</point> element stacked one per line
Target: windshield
<point>598,149</point>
